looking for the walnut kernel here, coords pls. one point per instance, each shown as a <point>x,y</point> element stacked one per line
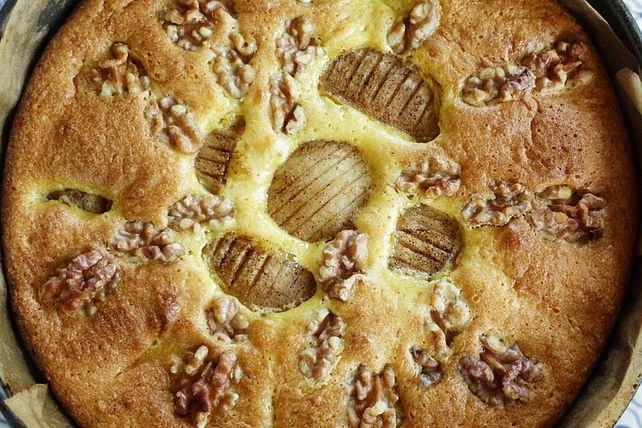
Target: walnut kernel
<point>437,176</point>
<point>510,200</point>
<point>176,122</point>
<point>558,67</point>
<point>325,332</point>
<point>342,260</point>
<point>430,369</point>
<point>204,386</point>
<point>449,312</point>
<point>119,75</point>
<point>562,213</point>
<point>296,46</point>
<point>145,241</point>
<point>195,210</point>
<point>497,85</point>
<point>374,400</point>
<point>501,373</point>
<point>226,322</point>
<point>409,32</point>
<point>82,282</point>
<point>287,114</point>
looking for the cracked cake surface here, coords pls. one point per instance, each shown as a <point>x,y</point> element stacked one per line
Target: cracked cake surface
<point>323,213</point>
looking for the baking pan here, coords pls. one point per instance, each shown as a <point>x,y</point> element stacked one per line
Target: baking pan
<point>620,349</point>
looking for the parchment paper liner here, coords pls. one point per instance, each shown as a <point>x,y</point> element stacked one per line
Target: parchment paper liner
<point>604,397</point>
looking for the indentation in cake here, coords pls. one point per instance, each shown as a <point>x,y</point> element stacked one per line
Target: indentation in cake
<point>383,87</point>
<point>319,189</point>
<point>426,240</point>
<point>260,278</point>
<point>83,200</point>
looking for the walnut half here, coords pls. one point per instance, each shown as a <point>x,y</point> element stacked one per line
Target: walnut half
<point>501,373</point>
<point>174,121</point>
<point>374,400</point>
<point>226,322</point>
<point>449,312</point>
<point>325,334</point>
<point>497,84</point>
<point>145,241</point>
<point>342,260</point>
<point>296,47</point>
<point>409,32</point>
<point>509,200</point>
<point>437,176</point>
<point>562,213</point>
<point>430,369</point>
<point>119,75</point>
<point>560,66</point>
<point>204,385</point>
<point>82,282</point>
<point>195,210</point>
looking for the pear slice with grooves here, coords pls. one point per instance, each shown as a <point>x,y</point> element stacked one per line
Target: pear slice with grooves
<point>261,279</point>
<point>383,87</point>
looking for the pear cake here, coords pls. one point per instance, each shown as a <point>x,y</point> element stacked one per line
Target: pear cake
<point>318,213</point>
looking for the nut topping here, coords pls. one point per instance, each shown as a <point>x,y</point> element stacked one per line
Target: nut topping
<point>288,116</point>
<point>174,121</point>
<point>510,200</point>
<point>343,258</point>
<point>119,75</point>
<point>374,400</point>
<point>501,374</point>
<point>195,210</point>
<point>561,66</point>
<point>193,22</point>
<point>82,282</point>
<point>204,386</point>
<point>562,213</point>
<point>497,85</point>
<point>231,64</point>
<point>437,176</point>
<point>295,47</point>
<point>412,30</point>
<point>325,333</point>
<point>226,322</point>
<point>449,312</point>
<point>145,241</point>
<point>430,368</point>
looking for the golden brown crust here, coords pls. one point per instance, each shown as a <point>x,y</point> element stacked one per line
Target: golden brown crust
<point>557,299</point>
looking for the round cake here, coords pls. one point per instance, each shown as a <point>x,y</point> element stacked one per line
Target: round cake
<point>318,213</point>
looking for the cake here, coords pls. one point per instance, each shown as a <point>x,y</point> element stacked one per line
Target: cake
<point>323,213</point>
